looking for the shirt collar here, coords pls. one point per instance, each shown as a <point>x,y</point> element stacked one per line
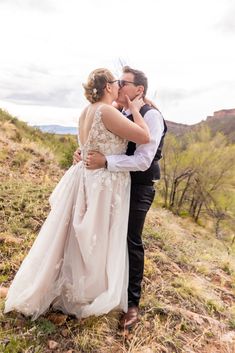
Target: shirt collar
<point>126,112</point>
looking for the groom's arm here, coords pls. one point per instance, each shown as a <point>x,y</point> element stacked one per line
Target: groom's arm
<point>144,154</point>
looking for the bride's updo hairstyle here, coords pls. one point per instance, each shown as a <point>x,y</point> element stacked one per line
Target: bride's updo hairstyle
<point>96,83</point>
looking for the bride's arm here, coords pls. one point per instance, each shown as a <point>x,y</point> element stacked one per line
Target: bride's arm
<point>115,122</point>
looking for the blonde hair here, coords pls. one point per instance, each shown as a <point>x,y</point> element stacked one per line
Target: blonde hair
<point>96,83</point>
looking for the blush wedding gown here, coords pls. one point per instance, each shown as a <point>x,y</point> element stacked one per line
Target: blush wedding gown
<point>79,261</point>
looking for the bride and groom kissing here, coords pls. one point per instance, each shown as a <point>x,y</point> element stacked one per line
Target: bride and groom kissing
<point>88,257</point>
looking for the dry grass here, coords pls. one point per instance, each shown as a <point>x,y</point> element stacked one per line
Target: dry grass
<point>188,296</point>
<point>182,310</point>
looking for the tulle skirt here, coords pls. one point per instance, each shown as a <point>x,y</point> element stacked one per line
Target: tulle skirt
<point>79,260</point>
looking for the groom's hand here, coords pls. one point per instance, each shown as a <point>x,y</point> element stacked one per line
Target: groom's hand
<point>95,160</point>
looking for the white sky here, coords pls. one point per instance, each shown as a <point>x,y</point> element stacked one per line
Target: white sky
<point>48,48</point>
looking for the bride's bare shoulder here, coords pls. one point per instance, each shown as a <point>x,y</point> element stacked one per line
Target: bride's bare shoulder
<point>108,110</point>
<point>107,107</point>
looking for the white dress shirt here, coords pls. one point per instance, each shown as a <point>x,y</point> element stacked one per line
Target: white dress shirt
<point>144,154</point>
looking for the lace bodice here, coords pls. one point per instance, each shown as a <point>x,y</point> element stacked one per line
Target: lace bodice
<point>102,140</point>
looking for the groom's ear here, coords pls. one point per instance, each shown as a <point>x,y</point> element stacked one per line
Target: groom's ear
<point>140,89</point>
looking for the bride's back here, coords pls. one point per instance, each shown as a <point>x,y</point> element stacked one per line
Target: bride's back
<point>85,122</point>
<point>93,135</point>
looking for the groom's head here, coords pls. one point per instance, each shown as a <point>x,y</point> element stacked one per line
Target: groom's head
<point>132,83</point>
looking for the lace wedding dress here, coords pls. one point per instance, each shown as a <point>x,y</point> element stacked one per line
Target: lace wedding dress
<point>78,262</point>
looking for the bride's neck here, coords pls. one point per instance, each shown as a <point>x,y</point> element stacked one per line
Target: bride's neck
<point>106,100</point>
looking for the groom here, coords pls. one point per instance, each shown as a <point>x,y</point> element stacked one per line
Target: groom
<point>142,162</point>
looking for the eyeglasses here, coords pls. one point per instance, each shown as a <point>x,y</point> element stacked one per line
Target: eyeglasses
<point>122,83</point>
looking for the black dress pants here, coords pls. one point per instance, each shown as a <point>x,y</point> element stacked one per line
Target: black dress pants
<point>141,199</point>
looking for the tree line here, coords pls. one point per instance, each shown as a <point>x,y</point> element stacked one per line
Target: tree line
<point>198,176</point>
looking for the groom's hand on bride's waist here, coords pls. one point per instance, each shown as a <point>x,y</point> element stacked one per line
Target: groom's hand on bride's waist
<point>95,160</point>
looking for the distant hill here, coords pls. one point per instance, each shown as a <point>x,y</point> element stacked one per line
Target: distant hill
<point>176,128</point>
<point>58,129</point>
<point>221,121</point>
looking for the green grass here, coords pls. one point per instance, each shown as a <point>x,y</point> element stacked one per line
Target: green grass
<point>62,146</point>
<point>23,207</point>
<point>189,276</point>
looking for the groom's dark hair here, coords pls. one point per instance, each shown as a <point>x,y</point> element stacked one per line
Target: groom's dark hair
<point>139,77</point>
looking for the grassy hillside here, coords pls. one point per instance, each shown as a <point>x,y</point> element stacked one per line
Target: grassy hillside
<point>188,302</point>
<point>59,147</point>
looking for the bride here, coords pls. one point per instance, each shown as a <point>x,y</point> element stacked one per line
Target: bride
<point>78,262</point>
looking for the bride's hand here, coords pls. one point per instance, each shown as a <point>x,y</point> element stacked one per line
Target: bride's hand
<point>77,156</point>
<point>149,102</point>
<point>136,104</point>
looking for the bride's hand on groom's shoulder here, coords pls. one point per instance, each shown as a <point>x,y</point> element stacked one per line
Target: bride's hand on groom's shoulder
<point>149,102</point>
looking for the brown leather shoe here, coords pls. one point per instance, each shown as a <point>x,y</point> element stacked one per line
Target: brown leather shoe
<point>130,318</point>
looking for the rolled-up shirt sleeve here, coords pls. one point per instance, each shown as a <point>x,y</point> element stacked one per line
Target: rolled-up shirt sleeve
<point>144,154</point>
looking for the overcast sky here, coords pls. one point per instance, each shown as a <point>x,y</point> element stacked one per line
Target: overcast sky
<point>48,48</point>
